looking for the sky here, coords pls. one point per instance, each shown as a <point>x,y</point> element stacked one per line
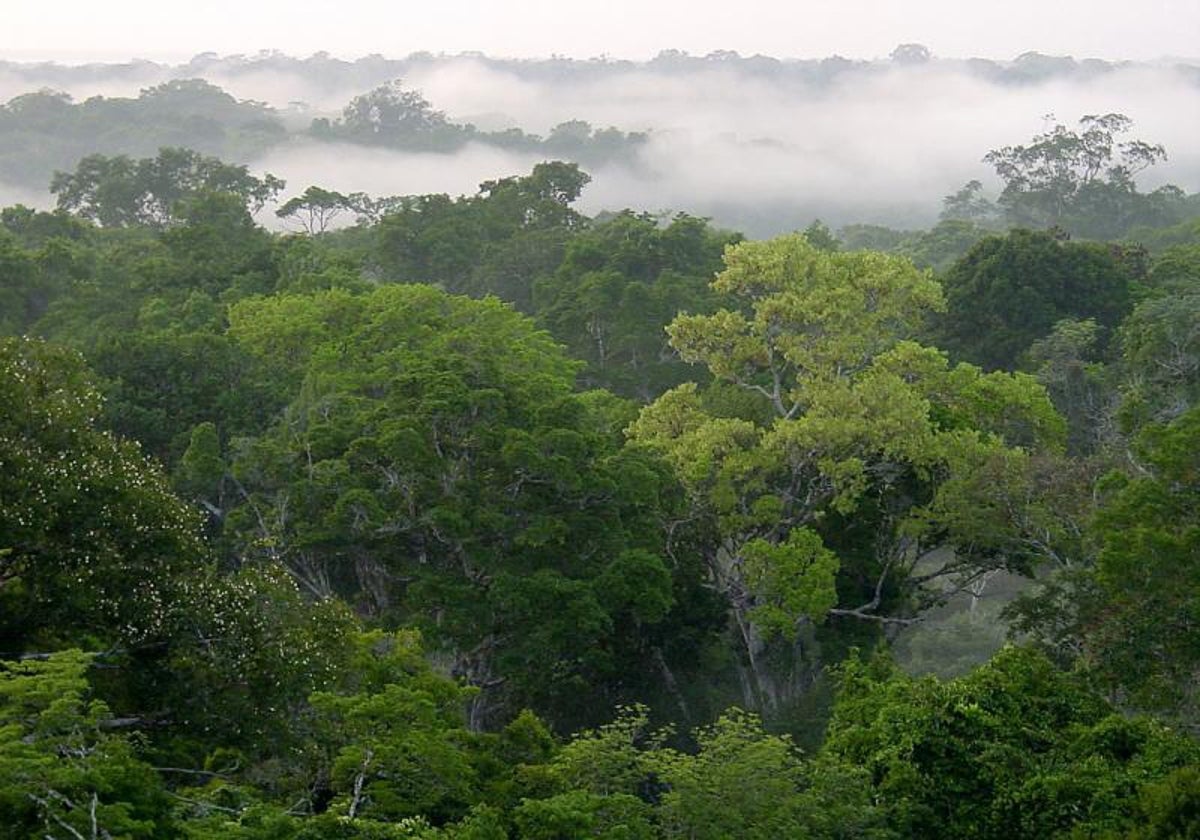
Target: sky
<point>162,30</point>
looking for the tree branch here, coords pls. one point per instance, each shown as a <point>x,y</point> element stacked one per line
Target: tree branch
<point>882,619</point>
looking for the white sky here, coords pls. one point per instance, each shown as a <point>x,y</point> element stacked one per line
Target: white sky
<point>108,30</point>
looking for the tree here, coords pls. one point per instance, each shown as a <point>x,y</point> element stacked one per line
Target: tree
<point>1079,180</point>
<point>391,115</point>
<point>850,423</point>
<point>1066,363</point>
<point>45,131</point>
<point>393,736</point>
<point>1016,749</point>
<point>65,770</point>
<point>968,205</point>
<point>315,209</point>
<point>217,248</point>
<point>1160,343</point>
<point>162,384</point>
<point>1008,291</point>
<point>496,242</point>
<point>540,199</point>
<point>433,466</point>
<point>92,542</point>
<point>623,780</point>
<point>121,192</point>
<point>19,289</point>
<point>820,236</point>
<point>1139,632</point>
<point>619,284</point>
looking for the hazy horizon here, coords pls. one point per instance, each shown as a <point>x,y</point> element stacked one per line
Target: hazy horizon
<point>76,30</point>
<point>759,151</point>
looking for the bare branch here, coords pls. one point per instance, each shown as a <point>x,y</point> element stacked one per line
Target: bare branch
<point>46,807</point>
<point>882,619</point>
<point>359,781</point>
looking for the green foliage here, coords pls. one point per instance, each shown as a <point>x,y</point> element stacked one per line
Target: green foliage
<point>969,205</point>
<point>373,457</point>
<point>1015,749</point>
<point>391,115</point>
<point>864,425</point>
<point>246,650</point>
<point>64,772</point>
<point>93,542</point>
<point>1083,181</point>
<point>620,283</point>
<point>1159,239</point>
<point>1065,362</point>
<point>1009,291</point>
<point>496,242</point>
<point>434,467</point>
<point>943,244</point>
<point>581,814</point>
<point>46,131</point>
<point>1171,807</point>
<point>1160,344</point>
<point>396,743</point>
<point>937,248</point>
<point>738,781</point>
<point>19,289</point>
<point>821,237</point>
<point>1141,637</point>
<point>216,245</point>
<point>164,384</point>
<point>315,209</point>
<point>793,578</point>
<point>120,191</point>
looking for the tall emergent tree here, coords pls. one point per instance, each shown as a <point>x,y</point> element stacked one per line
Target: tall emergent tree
<point>857,454</point>
<point>1082,180</point>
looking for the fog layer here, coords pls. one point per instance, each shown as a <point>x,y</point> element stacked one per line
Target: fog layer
<point>767,151</point>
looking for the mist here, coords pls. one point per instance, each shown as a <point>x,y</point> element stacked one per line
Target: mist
<point>882,147</point>
<point>761,151</point>
<point>11,194</point>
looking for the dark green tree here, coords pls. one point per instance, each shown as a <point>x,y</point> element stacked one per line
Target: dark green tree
<point>1016,749</point>
<point>620,283</point>
<point>1139,631</point>
<point>1008,291</point>
<point>93,545</point>
<point>433,466</point>
<point>120,191</point>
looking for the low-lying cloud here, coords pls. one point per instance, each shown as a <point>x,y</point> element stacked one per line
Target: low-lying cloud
<point>884,146</point>
<point>767,150</point>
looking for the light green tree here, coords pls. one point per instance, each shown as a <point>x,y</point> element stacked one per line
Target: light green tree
<point>66,769</point>
<point>860,440</point>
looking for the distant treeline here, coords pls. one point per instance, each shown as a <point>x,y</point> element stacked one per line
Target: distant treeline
<point>324,71</point>
<point>46,131</point>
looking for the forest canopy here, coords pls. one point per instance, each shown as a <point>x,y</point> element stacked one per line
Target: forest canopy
<point>483,516</point>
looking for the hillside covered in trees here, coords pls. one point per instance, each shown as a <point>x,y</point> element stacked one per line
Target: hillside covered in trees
<point>485,517</point>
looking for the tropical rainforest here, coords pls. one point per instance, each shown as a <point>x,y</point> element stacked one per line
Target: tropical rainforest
<point>482,517</point>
